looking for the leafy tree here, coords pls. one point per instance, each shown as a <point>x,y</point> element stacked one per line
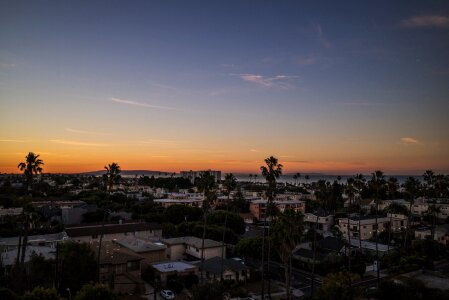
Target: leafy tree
<point>337,286</point>
<point>40,293</point>
<point>250,247</point>
<point>7,294</point>
<point>95,292</point>
<point>41,271</point>
<point>177,214</point>
<point>208,291</point>
<point>77,266</point>
<point>236,223</point>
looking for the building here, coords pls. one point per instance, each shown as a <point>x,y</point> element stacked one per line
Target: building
<point>149,251</point>
<point>191,175</point>
<point>166,270</point>
<point>119,270</point>
<point>12,211</point>
<point>187,202</point>
<point>90,233</point>
<point>74,214</point>
<point>369,227</point>
<point>47,240</point>
<point>258,207</point>
<point>320,219</point>
<point>232,269</point>
<point>190,248</point>
<point>440,234</point>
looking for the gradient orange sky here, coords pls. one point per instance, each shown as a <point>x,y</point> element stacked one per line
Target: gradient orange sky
<point>158,86</point>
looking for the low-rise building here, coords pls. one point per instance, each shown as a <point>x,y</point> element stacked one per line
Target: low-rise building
<point>368,226</point>
<point>165,270</point>
<point>320,220</point>
<point>258,207</point>
<point>440,234</point>
<point>150,251</point>
<point>232,269</point>
<point>90,233</point>
<point>190,247</point>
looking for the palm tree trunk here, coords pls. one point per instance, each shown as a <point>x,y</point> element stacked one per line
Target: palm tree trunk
<point>223,239</point>
<point>389,232</point>
<point>287,277</point>
<point>377,245</point>
<point>25,240</point>
<point>202,247</point>
<point>262,293</point>
<point>312,284</point>
<point>409,221</point>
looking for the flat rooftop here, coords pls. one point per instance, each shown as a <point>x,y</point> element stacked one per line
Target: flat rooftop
<point>173,266</point>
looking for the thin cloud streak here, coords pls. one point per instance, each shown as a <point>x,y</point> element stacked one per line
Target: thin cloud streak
<point>142,104</point>
<point>77,143</point>
<point>426,21</point>
<point>282,81</point>
<point>409,141</point>
<point>13,141</point>
<point>86,132</point>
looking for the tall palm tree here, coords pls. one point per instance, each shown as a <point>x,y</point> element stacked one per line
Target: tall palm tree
<point>206,185</point>
<point>377,182</point>
<point>429,179</point>
<point>271,172</point>
<point>229,183</point>
<point>255,178</point>
<point>32,166</point>
<point>286,234</point>
<point>412,187</point>
<point>392,187</point>
<point>112,175</point>
<point>295,177</point>
<point>394,208</point>
<point>359,184</point>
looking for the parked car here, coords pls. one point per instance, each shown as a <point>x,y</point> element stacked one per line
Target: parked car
<point>167,294</point>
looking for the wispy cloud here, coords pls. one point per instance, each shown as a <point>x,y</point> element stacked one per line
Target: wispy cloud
<point>320,36</point>
<point>77,143</point>
<point>253,150</point>
<point>135,103</point>
<point>86,132</point>
<point>408,141</point>
<point>6,65</point>
<point>426,21</point>
<point>282,81</point>
<point>361,104</point>
<point>13,141</point>
<point>163,86</point>
<point>307,60</point>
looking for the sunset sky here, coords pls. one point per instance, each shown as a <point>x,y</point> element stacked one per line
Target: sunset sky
<point>334,87</point>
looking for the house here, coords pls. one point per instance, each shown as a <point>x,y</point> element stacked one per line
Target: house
<point>441,234</point>
<point>151,252</point>
<point>232,269</point>
<point>168,269</point>
<point>368,226</point>
<point>89,233</point>
<point>191,175</point>
<point>74,214</point>
<point>370,247</point>
<point>190,247</point>
<point>118,269</point>
<point>258,207</point>
<point>325,249</point>
<point>321,219</point>
<point>48,240</point>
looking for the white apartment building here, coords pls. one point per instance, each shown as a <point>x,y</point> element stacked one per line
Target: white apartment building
<point>368,226</point>
<point>324,222</point>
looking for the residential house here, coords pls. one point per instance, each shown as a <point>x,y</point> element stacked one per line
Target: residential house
<point>232,269</point>
<point>190,248</point>
<point>169,269</point>
<point>321,219</point>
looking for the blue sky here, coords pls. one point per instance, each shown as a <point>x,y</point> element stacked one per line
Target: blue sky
<point>328,86</point>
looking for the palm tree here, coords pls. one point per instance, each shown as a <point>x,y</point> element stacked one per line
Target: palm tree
<point>286,234</point>
<point>377,182</point>
<point>112,175</point>
<point>32,166</point>
<point>433,211</point>
<point>429,179</point>
<point>230,183</point>
<point>394,208</point>
<point>412,187</point>
<point>295,177</point>
<point>250,176</point>
<point>359,184</point>
<point>255,178</point>
<point>271,172</point>
<point>392,187</point>
<point>206,185</point>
